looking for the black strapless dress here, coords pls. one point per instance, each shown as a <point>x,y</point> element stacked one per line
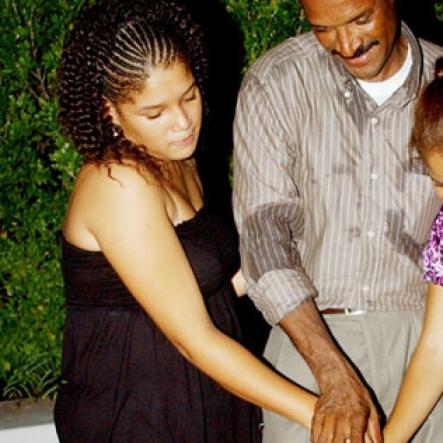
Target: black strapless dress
<point>124,381</point>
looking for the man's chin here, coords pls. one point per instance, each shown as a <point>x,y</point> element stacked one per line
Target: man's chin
<point>364,73</point>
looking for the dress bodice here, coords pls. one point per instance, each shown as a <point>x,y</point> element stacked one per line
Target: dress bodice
<point>210,247</point>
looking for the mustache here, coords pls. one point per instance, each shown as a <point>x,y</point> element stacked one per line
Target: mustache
<point>358,52</point>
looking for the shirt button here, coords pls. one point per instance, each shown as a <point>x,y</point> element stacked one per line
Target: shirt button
<point>370,234</point>
<point>374,120</point>
<point>365,288</point>
<point>374,176</point>
<point>347,94</point>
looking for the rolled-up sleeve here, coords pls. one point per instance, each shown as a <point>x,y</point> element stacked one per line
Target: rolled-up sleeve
<point>267,205</point>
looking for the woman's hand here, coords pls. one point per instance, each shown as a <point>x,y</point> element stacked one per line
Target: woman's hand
<point>239,283</point>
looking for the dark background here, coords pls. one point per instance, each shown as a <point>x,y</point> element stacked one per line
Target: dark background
<point>420,16</point>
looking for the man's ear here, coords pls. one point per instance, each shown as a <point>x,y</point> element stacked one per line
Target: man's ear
<point>112,112</point>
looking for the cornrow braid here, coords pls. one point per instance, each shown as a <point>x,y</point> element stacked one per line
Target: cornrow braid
<point>109,53</point>
<point>138,48</point>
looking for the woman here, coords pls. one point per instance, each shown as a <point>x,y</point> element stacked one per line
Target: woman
<point>423,383</point>
<point>147,266</point>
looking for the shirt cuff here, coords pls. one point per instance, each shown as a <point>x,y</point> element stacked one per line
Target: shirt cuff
<point>279,292</point>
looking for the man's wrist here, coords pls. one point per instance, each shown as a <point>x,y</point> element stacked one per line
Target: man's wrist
<point>335,371</point>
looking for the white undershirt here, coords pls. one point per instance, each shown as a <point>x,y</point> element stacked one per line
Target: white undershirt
<point>381,91</point>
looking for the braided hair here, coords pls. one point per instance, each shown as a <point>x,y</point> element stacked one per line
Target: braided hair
<point>109,54</point>
<point>427,133</point>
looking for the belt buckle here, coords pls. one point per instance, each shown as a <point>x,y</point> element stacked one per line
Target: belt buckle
<point>349,311</point>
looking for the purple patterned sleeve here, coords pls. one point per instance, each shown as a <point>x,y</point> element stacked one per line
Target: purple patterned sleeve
<point>433,253</point>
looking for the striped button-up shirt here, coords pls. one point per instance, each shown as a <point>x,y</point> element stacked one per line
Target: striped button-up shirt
<point>329,200</point>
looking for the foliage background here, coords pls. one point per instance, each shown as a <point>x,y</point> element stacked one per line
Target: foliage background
<point>38,166</point>
<point>439,10</point>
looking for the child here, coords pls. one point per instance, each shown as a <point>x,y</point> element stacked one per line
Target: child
<point>423,382</point>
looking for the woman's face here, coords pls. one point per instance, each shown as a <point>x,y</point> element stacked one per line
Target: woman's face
<point>434,162</point>
<point>165,115</point>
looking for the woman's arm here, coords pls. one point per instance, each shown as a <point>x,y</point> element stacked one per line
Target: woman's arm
<point>423,382</point>
<point>131,225</point>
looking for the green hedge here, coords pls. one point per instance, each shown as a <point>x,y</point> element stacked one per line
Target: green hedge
<point>266,23</point>
<point>439,10</point>
<point>37,169</point>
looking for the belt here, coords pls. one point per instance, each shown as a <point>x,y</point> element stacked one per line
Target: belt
<point>346,311</point>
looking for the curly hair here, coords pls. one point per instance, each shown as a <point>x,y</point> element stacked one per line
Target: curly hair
<point>427,133</point>
<point>109,54</point>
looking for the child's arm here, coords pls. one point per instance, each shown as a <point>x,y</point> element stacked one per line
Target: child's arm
<point>423,382</point>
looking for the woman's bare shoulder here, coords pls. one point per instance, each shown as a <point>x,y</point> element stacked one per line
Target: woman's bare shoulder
<point>103,193</point>
<point>115,175</point>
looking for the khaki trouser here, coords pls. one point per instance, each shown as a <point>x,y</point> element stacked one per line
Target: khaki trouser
<point>379,343</point>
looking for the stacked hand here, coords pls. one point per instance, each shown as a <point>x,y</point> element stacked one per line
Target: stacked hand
<point>345,412</point>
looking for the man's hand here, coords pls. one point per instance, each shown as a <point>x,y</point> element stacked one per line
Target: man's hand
<point>345,411</point>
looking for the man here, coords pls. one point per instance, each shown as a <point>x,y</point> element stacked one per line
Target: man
<point>333,212</point>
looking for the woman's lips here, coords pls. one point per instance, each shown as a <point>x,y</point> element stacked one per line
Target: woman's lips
<point>185,141</point>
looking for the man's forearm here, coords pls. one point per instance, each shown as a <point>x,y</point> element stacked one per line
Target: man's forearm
<point>345,409</point>
<point>307,330</point>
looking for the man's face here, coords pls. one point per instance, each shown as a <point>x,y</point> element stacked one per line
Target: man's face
<point>360,34</point>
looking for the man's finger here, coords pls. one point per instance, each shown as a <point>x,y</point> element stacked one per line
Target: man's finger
<point>317,425</point>
<point>358,429</point>
<point>342,431</point>
<point>374,430</point>
<point>328,429</point>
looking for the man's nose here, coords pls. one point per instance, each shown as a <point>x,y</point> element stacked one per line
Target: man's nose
<point>346,42</point>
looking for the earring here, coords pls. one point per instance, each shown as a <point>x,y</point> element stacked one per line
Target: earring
<point>115,132</point>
